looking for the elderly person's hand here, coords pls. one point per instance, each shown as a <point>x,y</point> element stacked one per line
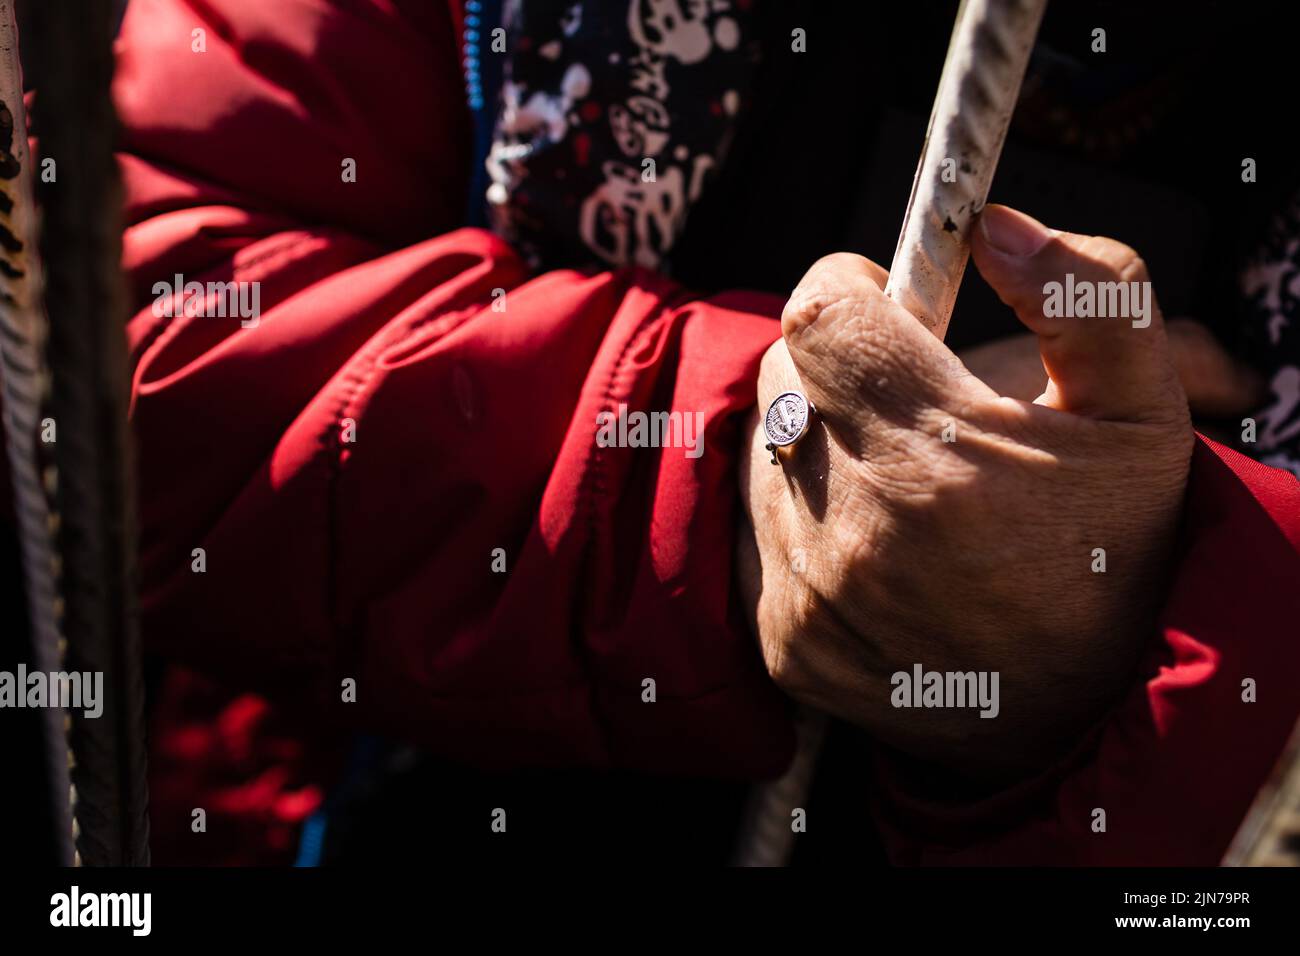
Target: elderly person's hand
<point>927,520</point>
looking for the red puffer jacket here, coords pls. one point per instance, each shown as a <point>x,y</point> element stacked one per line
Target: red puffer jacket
<point>350,464</point>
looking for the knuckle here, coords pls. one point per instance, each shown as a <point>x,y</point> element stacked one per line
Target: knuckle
<point>831,279</point>
<point>803,309</point>
<point>1132,267</point>
<point>1117,258</point>
<point>841,264</point>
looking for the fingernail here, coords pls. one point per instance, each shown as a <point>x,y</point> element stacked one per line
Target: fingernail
<point>1013,233</point>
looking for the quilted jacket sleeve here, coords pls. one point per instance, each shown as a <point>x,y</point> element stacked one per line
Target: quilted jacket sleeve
<point>377,459</point>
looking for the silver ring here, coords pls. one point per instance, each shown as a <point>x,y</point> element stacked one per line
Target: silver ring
<point>787,420</point>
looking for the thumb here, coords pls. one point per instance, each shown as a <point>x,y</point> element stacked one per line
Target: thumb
<point>1089,301</point>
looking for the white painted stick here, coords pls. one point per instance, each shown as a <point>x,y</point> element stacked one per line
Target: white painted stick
<point>767,831</point>
<point>981,79</point>
<point>1270,833</point>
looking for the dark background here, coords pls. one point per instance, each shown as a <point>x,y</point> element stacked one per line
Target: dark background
<point>1143,143</point>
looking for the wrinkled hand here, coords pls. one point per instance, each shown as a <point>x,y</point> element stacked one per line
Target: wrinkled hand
<point>877,544</point>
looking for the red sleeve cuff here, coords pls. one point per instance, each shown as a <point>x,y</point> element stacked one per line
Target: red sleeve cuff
<point>1177,764</point>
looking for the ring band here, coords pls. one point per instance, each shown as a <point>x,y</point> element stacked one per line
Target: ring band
<point>786,421</point>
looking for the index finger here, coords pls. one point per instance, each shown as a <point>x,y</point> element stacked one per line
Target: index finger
<point>866,362</point>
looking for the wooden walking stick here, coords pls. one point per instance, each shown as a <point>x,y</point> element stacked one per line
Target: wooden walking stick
<point>1270,834</point>
<point>987,57</point>
<point>981,80</point>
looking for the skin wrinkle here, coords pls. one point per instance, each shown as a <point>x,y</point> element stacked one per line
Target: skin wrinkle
<point>973,554</point>
<point>871,330</point>
<point>895,384</point>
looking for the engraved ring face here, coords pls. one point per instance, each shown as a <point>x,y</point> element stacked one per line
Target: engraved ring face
<point>787,419</point>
